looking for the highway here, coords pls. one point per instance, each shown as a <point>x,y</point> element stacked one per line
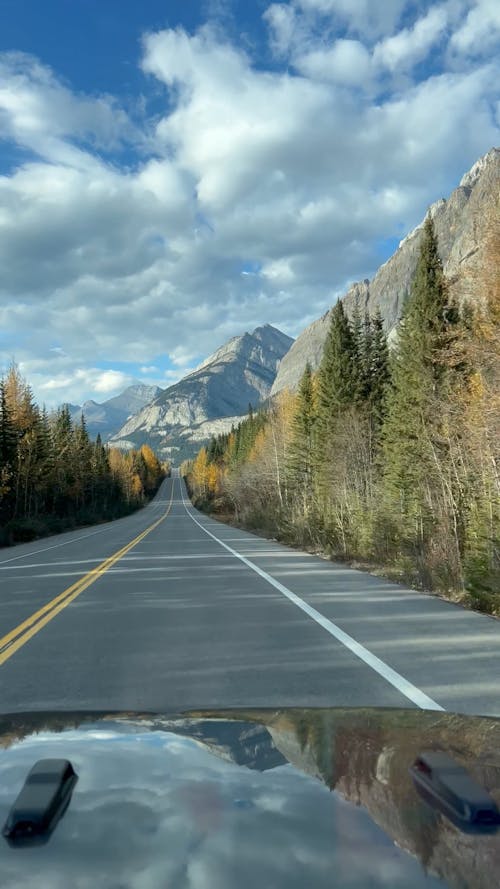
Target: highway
<point>168,609</point>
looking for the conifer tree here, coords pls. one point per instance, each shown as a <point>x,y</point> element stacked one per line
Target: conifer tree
<point>338,387</point>
<point>379,369</point>
<point>411,436</point>
<point>359,354</point>
<point>8,456</point>
<point>300,461</point>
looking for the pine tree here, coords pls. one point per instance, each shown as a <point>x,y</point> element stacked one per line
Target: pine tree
<point>44,463</point>
<point>338,387</point>
<point>359,332</point>
<point>83,464</point>
<point>300,459</point>
<point>412,443</point>
<point>64,465</point>
<point>8,456</point>
<point>8,436</point>
<point>379,369</point>
<point>337,376</point>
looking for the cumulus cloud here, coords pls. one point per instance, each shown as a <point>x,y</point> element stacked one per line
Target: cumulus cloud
<point>361,16</point>
<point>293,173</point>
<point>39,112</point>
<point>411,45</point>
<point>480,32</point>
<point>347,61</point>
<point>55,385</point>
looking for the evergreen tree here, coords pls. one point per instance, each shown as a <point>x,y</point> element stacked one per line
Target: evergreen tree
<point>338,387</point>
<point>83,464</point>
<point>359,351</point>
<point>300,463</point>
<point>8,456</point>
<point>44,462</point>
<point>379,369</point>
<point>411,431</point>
<point>64,464</point>
<point>337,376</point>
<point>8,436</point>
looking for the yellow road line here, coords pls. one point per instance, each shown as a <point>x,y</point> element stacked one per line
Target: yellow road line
<point>17,637</point>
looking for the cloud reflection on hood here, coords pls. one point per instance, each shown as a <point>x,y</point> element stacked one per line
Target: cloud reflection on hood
<point>157,809</point>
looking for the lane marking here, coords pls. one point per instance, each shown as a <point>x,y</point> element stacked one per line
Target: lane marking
<point>16,638</point>
<point>406,688</point>
<point>106,526</point>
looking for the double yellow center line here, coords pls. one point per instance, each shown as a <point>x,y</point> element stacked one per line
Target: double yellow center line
<point>17,637</point>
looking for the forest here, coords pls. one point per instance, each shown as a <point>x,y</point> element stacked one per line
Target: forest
<point>387,458</point>
<point>54,478</point>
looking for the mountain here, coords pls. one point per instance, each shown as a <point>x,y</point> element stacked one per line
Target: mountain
<point>106,418</point>
<point>460,223</point>
<point>239,373</point>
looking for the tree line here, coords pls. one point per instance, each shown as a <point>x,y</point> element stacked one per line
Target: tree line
<point>53,477</point>
<point>385,456</point>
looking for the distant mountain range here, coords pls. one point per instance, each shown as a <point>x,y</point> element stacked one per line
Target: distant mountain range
<point>106,418</point>
<point>210,398</point>
<point>460,223</point>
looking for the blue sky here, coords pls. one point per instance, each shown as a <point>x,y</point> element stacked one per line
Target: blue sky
<point>172,174</point>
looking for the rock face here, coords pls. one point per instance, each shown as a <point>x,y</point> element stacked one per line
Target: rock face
<point>240,373</point>
<point>364,756</point>
<point>107,418</point>
<point>460,224</point>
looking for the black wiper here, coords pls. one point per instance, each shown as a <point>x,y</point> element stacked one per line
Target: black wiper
<point>41,803</point>
<point>448,787</point>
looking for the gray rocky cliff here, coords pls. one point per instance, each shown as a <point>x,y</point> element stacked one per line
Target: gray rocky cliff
<point>460,223</point>
<point>239,373</point>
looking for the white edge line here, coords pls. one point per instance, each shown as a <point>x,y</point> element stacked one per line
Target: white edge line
<point>406,688</point>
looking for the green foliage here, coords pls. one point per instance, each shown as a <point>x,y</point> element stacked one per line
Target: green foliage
<point>52,477</point>
<point>412,438</point>
<point>8,456</point>
<point>301,449</point>
<point>377,372</point>
<point>338,379</point>
<point>391,459</point>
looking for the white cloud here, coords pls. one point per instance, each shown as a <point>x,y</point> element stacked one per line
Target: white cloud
<point>74,384</point>
<point>411,45</point>
<point>347,61</point>
<point>40,113</point>
<point>361,16</point>
<point>480,31</point>
<point>296,175</point>
<point>280,270</point>
<point>282,22</point>
<point>110,381</point>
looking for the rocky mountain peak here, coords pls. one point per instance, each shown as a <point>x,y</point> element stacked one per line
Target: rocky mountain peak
<point>460,222</point>
<point>238,373</point>
<point>106,418</point>
<point>490,159</point>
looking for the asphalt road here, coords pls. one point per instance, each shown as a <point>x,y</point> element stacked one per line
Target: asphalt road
<point>170,610</point>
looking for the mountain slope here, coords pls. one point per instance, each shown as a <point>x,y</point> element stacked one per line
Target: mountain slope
<point>239,373</point>
<point>460,224</point>
<point>106,418</point>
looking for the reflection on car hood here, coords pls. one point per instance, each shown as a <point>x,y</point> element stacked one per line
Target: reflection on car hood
<point>294,798</point>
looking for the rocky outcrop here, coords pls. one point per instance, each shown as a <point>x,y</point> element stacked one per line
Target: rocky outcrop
<point>240,373</point>
<point>460,222</point>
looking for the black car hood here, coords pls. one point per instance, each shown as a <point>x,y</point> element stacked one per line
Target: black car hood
<point>295,798</point>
